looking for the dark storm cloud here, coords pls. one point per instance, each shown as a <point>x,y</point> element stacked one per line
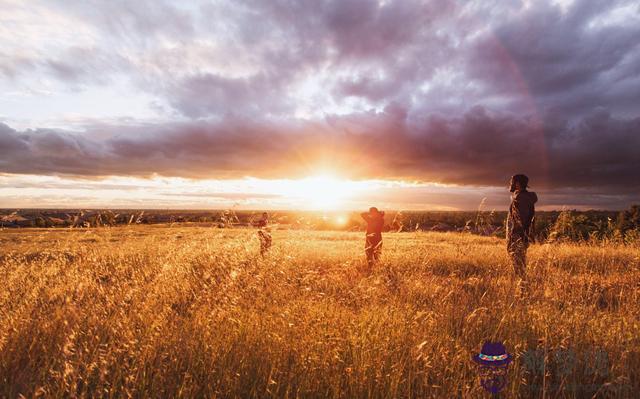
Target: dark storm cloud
<point>46,152</point>
<point>544,57</point>
<point>499,54</point>
<point>288,41</point>
<point>570,62</point>
<point>477,148</point>
<point>11,144</point>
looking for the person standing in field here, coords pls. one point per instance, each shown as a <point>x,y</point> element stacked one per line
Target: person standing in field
<point>263,233</point>
<point>520,224</point>
<point>373,242</point>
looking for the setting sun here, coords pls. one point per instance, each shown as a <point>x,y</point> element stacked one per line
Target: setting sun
<point>322,192</point>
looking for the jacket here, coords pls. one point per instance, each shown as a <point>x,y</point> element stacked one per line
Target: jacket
<point>521,217</point>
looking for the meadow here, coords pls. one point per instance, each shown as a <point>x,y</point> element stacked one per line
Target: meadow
<point>187,311</point>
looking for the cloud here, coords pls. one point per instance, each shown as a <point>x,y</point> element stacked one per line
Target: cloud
<point>206,94</point>
<point>454,92</point>
<point>476,148</point>
<point>565,62</point>
<point>274,58</point>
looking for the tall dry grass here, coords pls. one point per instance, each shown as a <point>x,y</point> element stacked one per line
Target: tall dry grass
<point>194,312</point>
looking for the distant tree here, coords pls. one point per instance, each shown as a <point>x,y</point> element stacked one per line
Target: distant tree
<point>629,220</point>
<point>572,226</point>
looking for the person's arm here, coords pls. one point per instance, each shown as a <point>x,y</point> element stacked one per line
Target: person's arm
<point>520,214</point>
<point>523,212</point>
<point>532,226</point>
<point>259,223</point>
<point>365,216</point>
<point>532,230</point>
<point>507,227</point>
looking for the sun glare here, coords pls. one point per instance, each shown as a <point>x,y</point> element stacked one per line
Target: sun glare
<point>322,192</point>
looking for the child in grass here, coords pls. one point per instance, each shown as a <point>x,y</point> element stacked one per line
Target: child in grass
<point>263,233</point>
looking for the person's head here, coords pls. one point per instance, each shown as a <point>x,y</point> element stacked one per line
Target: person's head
<point>265,215</point>
<point>518,183</point>
<point>373,211</point>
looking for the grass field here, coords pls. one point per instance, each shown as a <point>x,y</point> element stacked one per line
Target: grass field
<point>156,311</point>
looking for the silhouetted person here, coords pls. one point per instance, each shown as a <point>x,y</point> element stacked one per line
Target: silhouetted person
<point>373,242</point>
<point>520,223</point>
<point>263,233</point>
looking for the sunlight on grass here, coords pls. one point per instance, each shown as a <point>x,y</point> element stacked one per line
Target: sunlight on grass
<point>196,312</point>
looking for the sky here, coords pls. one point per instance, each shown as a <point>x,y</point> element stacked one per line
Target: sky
<point>318,104</point>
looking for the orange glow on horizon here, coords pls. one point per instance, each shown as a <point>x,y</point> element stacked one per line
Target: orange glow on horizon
<point>326,192</point>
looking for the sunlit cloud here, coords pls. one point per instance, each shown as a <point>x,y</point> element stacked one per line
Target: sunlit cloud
<point>321,193</point>
<point>318,193</point>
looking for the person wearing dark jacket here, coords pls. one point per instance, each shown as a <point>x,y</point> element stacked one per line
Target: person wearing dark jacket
<point>373,242</point>
<point>520,223</point>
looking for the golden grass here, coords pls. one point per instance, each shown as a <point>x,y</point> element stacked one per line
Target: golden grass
<point>196,312</point>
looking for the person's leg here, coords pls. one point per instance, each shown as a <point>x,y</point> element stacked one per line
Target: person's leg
<point>377,251</point>
<point>369,251</point>
<point>517,252</point>
<point>265,242</point>
<point>517,249</point>
<point>520,262</point>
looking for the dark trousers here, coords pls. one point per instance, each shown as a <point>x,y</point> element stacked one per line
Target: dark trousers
<point>517,246</point>
<point>373,247</point>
